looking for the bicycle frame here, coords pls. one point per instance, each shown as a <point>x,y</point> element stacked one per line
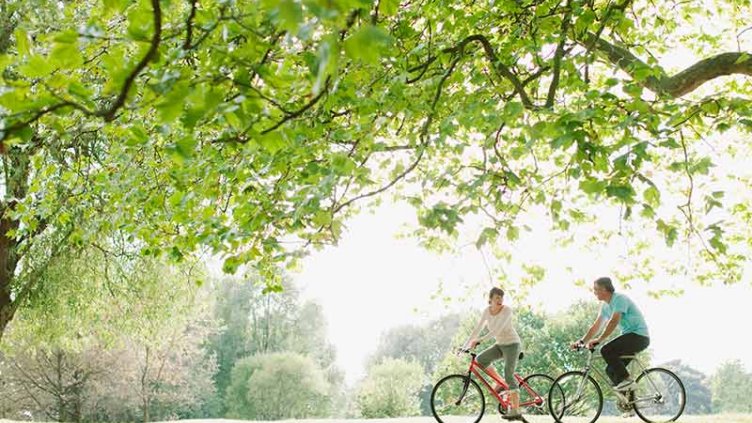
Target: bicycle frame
<point>478,371</point>
<point>601,376</point>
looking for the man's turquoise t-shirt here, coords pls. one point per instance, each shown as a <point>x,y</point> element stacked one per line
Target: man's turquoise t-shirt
<point>631,321</point>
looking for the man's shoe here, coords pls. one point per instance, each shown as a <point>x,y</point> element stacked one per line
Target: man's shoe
<point>624,385</point>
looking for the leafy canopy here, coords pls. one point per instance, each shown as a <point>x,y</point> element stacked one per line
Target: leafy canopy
<point>255,128</point>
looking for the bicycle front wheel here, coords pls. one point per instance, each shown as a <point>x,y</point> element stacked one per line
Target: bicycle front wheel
<point>457,399</point>
<point>575,397</point>
<point>659,396</point>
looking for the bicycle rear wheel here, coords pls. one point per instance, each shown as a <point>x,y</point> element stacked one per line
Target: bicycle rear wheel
<point>659,396</point>
<point>534,394</point>
<point>575,397</point>
<point>457,399</point>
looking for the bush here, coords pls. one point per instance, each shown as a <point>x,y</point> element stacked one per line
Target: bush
<point>391,389</point>
<point>277,386</point>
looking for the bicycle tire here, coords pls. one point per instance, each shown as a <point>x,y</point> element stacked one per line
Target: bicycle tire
<point>561,406</point>
<point>452,387</point>
<point>664,379</point>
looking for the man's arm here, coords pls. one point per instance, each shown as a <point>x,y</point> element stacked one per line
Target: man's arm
<point>593,329</point>
<point>610,326</point>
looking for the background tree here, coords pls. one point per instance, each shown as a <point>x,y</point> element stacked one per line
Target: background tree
<point>697,386</point>
<point>391,389</point>
<point>274,386</point>
<point>731,386</point>
<point>253,322</point>
<point>80,352</point>
<point>425,344</point>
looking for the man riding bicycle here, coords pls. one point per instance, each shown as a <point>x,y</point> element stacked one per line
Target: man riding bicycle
<point>616,309</point>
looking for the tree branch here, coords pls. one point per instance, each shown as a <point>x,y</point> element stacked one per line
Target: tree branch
<point>558,55</point>
<point>683,82</point>
<point>423,145</point>
<point>300,111</point>
<point>189,26</point>
<point>109,113</point>
<point>496,64</point>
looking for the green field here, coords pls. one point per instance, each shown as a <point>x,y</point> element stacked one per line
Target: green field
<point>493,418</point>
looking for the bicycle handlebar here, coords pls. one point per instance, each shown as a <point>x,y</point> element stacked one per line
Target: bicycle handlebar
<point>579,346</point>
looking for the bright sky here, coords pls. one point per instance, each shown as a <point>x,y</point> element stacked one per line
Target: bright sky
<point>373,281</point>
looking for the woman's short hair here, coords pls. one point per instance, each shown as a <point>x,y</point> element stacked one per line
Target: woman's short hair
<point>605,283</point>
<point>496,291</point>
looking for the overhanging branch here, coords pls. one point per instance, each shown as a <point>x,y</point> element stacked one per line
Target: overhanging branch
<point>109,113</point>
<point>682,83</point>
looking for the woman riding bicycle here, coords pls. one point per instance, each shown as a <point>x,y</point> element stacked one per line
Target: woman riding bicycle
<point>497,318</point>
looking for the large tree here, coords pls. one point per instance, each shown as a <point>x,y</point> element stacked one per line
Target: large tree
<point>253,128</point>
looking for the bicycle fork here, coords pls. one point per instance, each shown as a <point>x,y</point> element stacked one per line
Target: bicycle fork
<point>465,385</point>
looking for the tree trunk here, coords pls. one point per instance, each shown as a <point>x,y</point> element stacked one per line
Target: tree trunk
<point>7,270</point>
<point>145,394</point>
<point>16,172</point>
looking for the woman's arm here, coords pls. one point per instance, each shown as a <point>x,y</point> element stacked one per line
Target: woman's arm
<point>474,335</point>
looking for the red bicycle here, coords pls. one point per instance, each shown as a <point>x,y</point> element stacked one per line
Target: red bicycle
<point>458,398</point>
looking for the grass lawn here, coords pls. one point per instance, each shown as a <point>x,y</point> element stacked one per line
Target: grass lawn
<point>493,418</point>
<point>718,418</point>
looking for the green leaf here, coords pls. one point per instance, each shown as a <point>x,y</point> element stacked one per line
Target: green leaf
<point>231,264</point>
<point>290,15</point>
<point>140,22</point>
<point>22,42</point>
<point>563,142</point>
<point>36,67</point>
<point>273,142</point>
<point>634,90</point>
<point>388,7</point>
<point>592,186</point>
<point>115,5</point>
<point>703,166</point>
<point>322,218</point>
<point>79,91</point>
<point>622,192</point>
<point>652,196</point>
<point>342,164</point>
<point>138,136</point>
<point>513,109</point>
<point>710,107</point>
<point>186,146</point>
<point>66,55</point>
<point>486,235</point>
<point>367,44</point>
<point>670,232</point>
<point>647,211</point>
<point>513,233</point>
<point>742,58</point>
<point>172,106</point>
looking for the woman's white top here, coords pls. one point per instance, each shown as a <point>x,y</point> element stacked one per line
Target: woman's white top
<point>499,326</point>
